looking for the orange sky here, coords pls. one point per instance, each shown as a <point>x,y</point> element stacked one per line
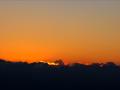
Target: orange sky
<point>75,31</point>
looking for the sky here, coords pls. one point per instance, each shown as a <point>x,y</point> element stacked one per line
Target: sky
<point>85,31</point>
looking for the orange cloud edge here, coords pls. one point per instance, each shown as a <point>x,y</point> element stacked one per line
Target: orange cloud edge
<point>54,62</point>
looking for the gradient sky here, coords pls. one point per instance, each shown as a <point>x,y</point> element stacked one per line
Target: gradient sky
<point>83,31</point>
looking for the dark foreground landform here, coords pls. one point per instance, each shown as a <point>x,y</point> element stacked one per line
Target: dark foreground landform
<point>41,76</point>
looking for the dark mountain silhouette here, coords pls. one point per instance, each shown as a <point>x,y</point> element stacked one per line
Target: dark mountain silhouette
<point>41,76</point>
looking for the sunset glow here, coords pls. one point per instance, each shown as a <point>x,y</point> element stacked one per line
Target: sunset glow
<point>45,30</point>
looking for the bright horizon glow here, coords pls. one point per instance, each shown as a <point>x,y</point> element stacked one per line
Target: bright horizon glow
<point>75,31</point>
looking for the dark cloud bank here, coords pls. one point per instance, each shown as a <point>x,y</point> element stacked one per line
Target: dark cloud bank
<point>41,76</point>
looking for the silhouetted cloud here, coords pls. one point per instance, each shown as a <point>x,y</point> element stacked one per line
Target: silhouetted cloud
<point>42,76</point>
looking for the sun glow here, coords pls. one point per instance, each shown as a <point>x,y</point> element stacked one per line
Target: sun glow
<point>50,63</point>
